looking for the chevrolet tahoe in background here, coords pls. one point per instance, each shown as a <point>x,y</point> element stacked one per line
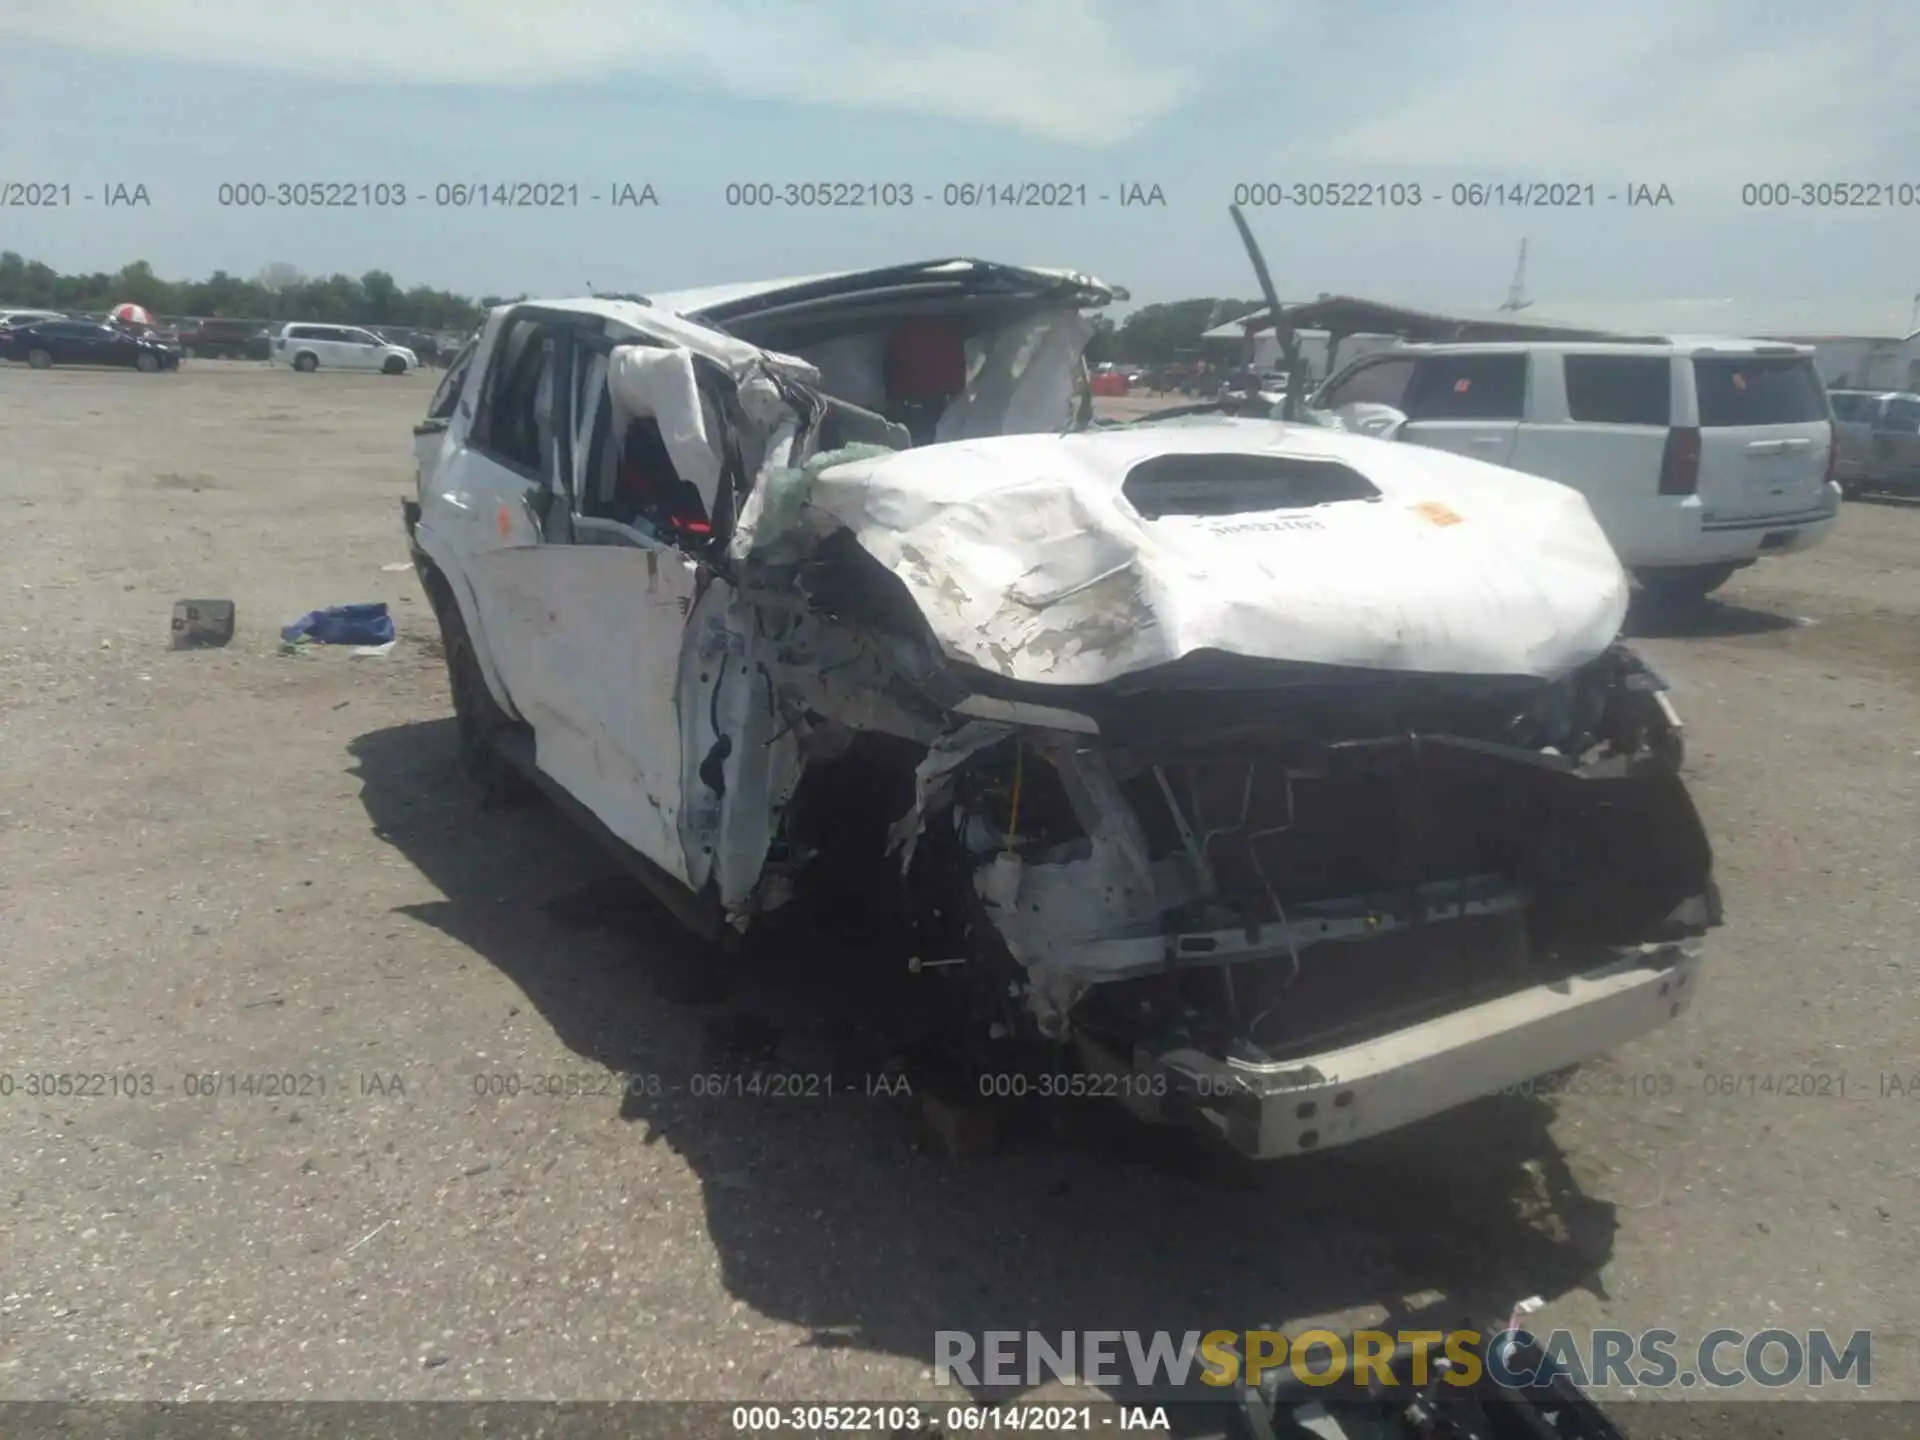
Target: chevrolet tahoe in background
<point>1285,783</point>
<point>1879,438</point>
<point>1698,456</point>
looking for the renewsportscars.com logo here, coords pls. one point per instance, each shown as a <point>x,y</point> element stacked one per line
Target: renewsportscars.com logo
<point>1649,1359</point>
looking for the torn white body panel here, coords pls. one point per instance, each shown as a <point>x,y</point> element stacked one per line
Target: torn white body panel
<point>740,751</point>
<point>1028,560</point>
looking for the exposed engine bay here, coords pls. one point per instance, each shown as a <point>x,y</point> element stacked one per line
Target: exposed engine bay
<point>1250,876</point>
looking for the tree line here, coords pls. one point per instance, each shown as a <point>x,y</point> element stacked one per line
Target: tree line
<point>278,292</point>
<point>1156,335</point>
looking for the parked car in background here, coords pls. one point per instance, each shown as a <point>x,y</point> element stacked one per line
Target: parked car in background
<point>424,345</point>
<point>226,340</point>
<point>1253,392</point>
<point>1879,439</point>
<point>1698,456</point>
<point>13,319</point>
<point>340,347</point>
<point>86,342</point>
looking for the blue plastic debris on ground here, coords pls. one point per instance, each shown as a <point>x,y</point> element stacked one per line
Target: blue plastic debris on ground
<point>343,625</point>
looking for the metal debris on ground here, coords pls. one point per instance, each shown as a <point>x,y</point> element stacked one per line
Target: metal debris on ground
<point>202,623</point>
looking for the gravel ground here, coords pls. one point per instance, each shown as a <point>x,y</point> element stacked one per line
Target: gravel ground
<point>241,864</point>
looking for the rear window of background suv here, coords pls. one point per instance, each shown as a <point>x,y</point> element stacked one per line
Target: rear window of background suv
<point>1619,389</point>
<point>1757,390</point>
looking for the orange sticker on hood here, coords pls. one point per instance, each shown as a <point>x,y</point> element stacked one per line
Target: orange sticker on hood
<point>1434,513</point>
<point>506,521</point>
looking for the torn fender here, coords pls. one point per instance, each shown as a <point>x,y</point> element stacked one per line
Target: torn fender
<point>739,754</point>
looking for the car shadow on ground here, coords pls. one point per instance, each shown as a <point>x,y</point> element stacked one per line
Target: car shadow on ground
<point>1895,502</point>
<point>830,1214</point>
<point>1649,618</point>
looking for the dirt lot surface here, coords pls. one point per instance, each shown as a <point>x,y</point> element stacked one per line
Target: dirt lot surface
<point>251,890</point>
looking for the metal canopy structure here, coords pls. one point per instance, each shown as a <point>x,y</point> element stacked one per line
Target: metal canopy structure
<point>1342,315</point>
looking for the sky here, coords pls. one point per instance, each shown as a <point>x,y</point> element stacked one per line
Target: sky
<point>1724,103</point>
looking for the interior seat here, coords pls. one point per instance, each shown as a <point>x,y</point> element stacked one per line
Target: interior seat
<point>926,368</point>
<point>647,487</point>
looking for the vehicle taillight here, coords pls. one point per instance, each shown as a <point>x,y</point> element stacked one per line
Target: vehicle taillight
<point>1833,451</point>
<point>1680,466</point>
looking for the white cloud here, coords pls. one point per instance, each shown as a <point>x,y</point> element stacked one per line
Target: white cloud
<point>1707,93</point>
<point>1076,71</point>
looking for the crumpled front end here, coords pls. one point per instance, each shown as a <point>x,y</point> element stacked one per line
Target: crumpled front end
<point>1292,904</point>
<point>1336,912</point>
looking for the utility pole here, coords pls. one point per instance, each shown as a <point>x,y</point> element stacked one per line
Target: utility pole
<point>1517,292</point>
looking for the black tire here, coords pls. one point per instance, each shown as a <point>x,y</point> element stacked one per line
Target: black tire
<point>306,364</point>
<point>1685,584</point>
<point>40,359</point>
<point>479,719</point>
<point>145,363</point>
<point>394,366</point>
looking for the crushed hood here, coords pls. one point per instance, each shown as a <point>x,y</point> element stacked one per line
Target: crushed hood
<point>1027,556</point>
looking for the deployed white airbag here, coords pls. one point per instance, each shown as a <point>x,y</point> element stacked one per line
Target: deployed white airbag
<point>1026,558</point>
<point>659,383</point>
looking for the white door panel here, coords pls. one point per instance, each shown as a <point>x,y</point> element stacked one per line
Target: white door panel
<point>1492,441</point>
<point>588,638</point>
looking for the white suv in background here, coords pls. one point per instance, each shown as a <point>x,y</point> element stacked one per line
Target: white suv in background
<point>340,347</point>
<point>1697,456</point>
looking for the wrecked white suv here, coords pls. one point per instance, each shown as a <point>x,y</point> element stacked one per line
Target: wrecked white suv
<point>1282,781</point>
